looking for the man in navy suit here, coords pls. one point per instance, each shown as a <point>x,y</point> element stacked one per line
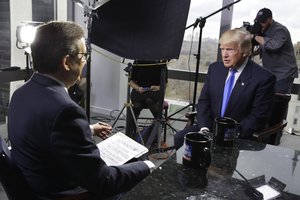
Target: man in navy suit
<point>52,141</point>
<point>250,101</point>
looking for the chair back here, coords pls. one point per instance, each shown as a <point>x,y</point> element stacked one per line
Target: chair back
<point>280,108</point>
<point>11,178</point>
<point>278,116</point>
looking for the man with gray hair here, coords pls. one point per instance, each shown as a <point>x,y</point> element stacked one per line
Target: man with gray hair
<point>248,100</point>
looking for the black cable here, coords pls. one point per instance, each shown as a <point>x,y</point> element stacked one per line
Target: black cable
<point>114,117</point>
<point>101,118</point>
<point>251,191</point>
<point>241,175</point>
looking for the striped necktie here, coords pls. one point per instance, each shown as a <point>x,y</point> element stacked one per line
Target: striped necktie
<point>227,90</point>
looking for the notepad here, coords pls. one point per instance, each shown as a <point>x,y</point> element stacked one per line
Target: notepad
<point>119,149</point>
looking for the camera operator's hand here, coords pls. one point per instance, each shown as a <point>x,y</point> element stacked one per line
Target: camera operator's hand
<point>259,39</point>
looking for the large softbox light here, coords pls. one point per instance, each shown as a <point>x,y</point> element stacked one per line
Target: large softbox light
<point>141,29</point>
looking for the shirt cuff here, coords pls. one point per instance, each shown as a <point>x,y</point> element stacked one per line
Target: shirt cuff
<point>150,165</point>
<point>204,129</point>
<point>92,129</point>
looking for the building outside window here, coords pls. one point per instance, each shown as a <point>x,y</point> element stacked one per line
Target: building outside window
<point>4,56</point>
<point>181,92</point>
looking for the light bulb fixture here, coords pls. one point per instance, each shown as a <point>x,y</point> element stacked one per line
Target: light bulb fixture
<point>25,34</point>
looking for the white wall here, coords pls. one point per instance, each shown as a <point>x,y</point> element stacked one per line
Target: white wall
<point>106,81</point>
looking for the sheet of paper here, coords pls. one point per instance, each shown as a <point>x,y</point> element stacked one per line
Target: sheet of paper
<point>268,192</point>
<point>119,148</point>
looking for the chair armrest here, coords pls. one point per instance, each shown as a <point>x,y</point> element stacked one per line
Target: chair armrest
<point>260,135</point>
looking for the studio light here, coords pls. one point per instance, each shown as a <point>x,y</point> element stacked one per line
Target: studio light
<point>26,33</point>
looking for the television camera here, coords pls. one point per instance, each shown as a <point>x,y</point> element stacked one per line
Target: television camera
<point>255,29</point>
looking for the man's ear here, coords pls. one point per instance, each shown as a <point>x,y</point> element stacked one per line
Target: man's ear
<point>66,62</point>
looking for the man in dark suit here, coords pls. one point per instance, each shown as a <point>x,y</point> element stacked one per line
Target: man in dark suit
<point>250,100</point>
<point>50,135</point>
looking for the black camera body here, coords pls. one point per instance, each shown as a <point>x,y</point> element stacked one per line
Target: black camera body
<point>255,29</point>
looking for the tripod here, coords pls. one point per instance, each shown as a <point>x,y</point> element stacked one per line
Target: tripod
<point>128,105</point>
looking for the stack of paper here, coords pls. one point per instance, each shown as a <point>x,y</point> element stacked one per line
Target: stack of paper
<point>119,149</point>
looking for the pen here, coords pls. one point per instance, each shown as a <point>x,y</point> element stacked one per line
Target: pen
<point>103,124</point>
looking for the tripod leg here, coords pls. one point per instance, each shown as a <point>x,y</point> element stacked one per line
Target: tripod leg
<point>171,127</point>
<point>136,125</point>
<point>118,116</point>
<point>178,111</point>
<point>158,135</point>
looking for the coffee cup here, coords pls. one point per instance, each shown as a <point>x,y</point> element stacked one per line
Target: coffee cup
<point>225,131</point>
<point>196,150</point>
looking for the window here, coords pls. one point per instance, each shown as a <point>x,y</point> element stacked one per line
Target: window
<point>43,10</point>
<point>183,90</point>
<point>4,56</point>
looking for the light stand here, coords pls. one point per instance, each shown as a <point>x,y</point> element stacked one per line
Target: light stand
<point>25,35</point>
<point>28,62</point>
<point>89,11</point>
<point>128,105</point>
<point>201,21</point>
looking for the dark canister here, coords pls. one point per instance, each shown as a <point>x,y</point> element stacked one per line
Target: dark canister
<point>196,150</point>
<point>225,131</point>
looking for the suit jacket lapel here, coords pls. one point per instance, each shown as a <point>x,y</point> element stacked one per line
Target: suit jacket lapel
<point>240,85</point>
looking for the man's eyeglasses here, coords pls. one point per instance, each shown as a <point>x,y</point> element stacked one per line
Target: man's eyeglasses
<point>85,56</point>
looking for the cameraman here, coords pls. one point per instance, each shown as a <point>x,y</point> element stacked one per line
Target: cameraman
<point>276,50</point>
